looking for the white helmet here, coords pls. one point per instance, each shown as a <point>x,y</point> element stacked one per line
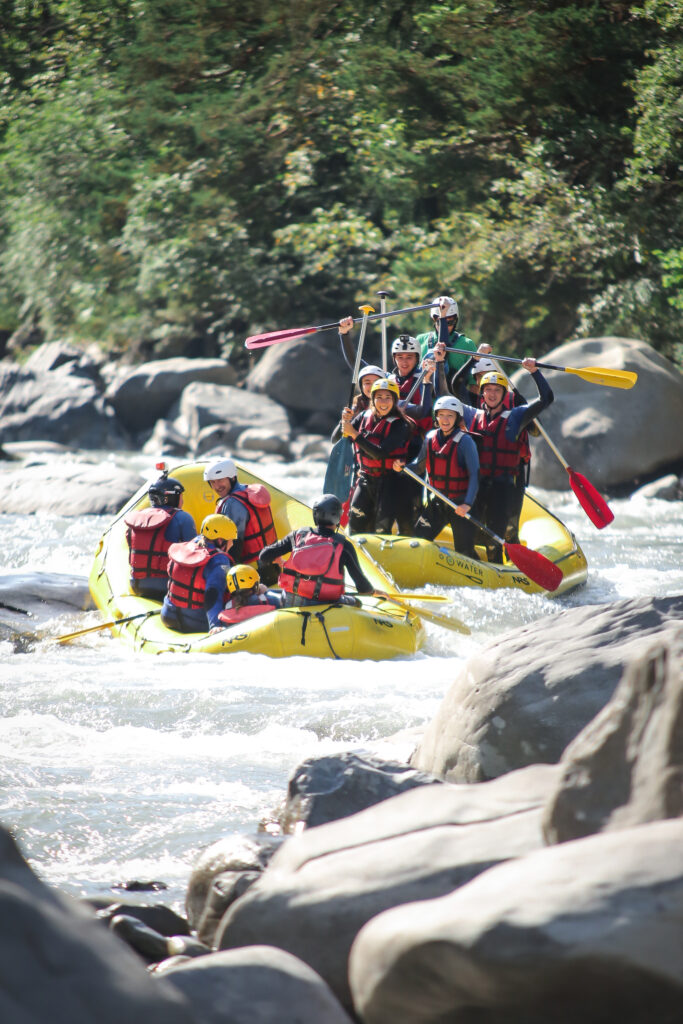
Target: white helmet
<point>451,309</point>
<point>376,370</point>
<point>220,470</point>
<point>484,366</point>
<point>405,343</point>
<point>448,402</point>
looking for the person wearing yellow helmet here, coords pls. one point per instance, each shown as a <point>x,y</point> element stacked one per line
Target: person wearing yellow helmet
<point>196,577</point>
<point>246,595</point>
<point>499,427</point>
<point>381,434</point>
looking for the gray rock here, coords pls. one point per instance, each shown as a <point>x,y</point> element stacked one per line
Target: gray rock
<point>311,446</point>
<point>610,435</point>
<point>667,488</point>
<point>324,789</point>
<point>58,964</point>
<point>155,915</point>
<point>257,985</point>
<point>233,409</point>
<point>61,405</point>
<point>146,393</point>
<point>228,859</point>
<point>57,353</point>
<point>588,932</point>
<point>327,882</point>
<point>66,488</point>
<point>148,943</point>
<point>263,439</point>
<point>307,375</point>
<point>626,767</point>
<point>524,697</point>
<point>166,440</point>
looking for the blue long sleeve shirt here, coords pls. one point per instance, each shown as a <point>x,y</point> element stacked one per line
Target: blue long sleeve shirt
<point>521,415</point>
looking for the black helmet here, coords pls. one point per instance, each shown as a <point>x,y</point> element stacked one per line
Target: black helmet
<point>165,491</point>
<point>327,510</point>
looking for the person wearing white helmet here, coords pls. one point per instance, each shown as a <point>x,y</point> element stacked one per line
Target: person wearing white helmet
<point>445,314</point>
<point>381,434</point>
<point>248,505</point>
<point>449,456</point>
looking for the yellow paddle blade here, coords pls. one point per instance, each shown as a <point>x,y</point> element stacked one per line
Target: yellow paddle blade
<point>437,620</point>
<point>624,379</point>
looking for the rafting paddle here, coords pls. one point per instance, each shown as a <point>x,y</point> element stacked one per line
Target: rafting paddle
<point>103,625</point>
<point>533,564</point>
<point>624,379</point>
<point>590,499</point>
<point>256,341</point>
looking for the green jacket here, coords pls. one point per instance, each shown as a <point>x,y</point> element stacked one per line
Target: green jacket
<point>454,360</point>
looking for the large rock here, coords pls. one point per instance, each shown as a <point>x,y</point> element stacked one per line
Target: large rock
<point>145,393</point>
<point>233,409</point>
<point>257,985</point>
<point>589,932</point>
<point>223,872</point>
<point>626,767</point>
<point>524,697</point>
<point>327,882</point>
<point>58,964</point>
<point>308,375</point>
<point>612,436</point>
<point>66,488</point>
<point>324,789</point>
<point>63,404</point>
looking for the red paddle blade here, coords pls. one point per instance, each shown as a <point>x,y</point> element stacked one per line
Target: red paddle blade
<point>344,519</point>
<point>535,565</point>
<point>591,501</point>
<point>275,337</point>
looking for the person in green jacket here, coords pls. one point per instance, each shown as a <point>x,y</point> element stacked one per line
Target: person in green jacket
<point>444,313</point>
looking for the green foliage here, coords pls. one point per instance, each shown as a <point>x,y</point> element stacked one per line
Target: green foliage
<point>201,169</point>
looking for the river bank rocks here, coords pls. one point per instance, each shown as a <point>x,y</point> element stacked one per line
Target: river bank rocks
<point>58,964</point>
<point>614,436</point>
<point>525,697</point>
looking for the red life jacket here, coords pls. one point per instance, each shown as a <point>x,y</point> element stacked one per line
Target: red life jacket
<point>232,615</point>
<point>187,586</point>
<point>375,430</point>
<point>148,554</point>
<point>523,438</point>
<point>313,568</point>
<point>405,386</point>
<point>260,529</point>
<point>444,471</point>
<point>498,456</point>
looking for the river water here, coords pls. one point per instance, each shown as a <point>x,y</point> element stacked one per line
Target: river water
<point>116,766</point>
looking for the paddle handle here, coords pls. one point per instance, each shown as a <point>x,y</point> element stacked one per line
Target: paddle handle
<point>359,352</point>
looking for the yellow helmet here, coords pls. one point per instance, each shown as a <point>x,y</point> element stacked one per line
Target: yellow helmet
<point>241,577</point>
<point>493,378</point>
<point>386,384</point>
<point>217,526</point>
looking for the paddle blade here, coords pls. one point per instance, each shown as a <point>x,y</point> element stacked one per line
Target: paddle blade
<point>445,621</point>
<point>624,379</point>
<point>591,501</point>
<point>256,341</point>
<point>535,565</point>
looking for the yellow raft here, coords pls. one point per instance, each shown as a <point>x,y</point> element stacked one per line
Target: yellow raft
<point>415,563</point>
<point>377,630</point>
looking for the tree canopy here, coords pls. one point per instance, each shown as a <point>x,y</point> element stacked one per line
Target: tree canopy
<point>175,174</point>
